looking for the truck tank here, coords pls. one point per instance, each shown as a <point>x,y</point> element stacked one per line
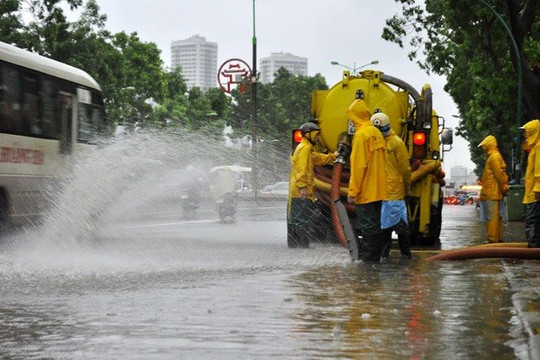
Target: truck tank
<point>412,118</point>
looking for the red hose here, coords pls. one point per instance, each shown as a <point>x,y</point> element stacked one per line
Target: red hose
<point>335,195</point>
<point>487,252</point>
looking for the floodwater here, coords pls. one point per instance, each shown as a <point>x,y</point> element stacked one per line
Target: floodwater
<point>142,282</point>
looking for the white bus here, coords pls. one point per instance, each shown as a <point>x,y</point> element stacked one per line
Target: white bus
<point>48,110</point>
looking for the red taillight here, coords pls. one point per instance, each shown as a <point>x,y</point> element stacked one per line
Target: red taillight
<point>419,138</point>
<point>296,139</point>
<point>297,136</point>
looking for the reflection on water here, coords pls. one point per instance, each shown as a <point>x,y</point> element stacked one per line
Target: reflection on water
<point>453,310</point>
<point>140,283</point>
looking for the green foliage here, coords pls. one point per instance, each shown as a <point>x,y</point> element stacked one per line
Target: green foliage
<point>282,105</point>
<point>10,20</point>
<point>140,92</point>
<point>467,43</point>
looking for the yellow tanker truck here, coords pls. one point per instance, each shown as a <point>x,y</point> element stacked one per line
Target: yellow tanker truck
<point>413,119</point>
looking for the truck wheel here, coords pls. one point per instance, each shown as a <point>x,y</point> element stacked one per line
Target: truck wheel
<point>436,224</point>
<point>296,240</point>
<point>414,235</point>
<point>324,229</point>
<point>291,241</point>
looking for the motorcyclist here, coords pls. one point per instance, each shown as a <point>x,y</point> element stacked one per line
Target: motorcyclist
<point>367,183</point>
<point>194,183</point>
<point>302,182</point>
<point>494,187</point>
<point>531,198</point>
<point>398,176</point>
<point>224,193</point>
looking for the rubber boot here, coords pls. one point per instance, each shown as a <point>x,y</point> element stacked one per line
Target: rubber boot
<point>375,246</point>
<point>533,238</point>
<point>404,246</point>
<point>387,244</point>
<point>363,247</point>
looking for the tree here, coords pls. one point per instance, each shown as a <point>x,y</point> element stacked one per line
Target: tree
<point>11,23</point>
<point>200,109</point>
<point>464,41</point>
<point>282,105</point>
<point>172,112</point>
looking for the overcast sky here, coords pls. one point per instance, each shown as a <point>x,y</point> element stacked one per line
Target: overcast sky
<point>347,31</point>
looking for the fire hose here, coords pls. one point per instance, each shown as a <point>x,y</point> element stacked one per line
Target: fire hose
<point>498,250</point>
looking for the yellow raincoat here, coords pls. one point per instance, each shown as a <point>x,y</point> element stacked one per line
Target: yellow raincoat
<point>368,175</point>
<point>302,162</point>
<point>532,174</point>
<point>494,178</point>
<point>398,170</point>
<point>494,186</point>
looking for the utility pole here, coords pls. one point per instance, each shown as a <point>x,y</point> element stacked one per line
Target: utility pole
<point>254,111</point>
<point>517,150</point>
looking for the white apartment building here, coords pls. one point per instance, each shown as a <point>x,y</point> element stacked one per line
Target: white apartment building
<point>198,59</point>
<point>270,65</point>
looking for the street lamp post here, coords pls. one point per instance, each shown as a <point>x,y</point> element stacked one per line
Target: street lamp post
<point>516,151</point>
<point>355,69</point>
<point>254,110</point>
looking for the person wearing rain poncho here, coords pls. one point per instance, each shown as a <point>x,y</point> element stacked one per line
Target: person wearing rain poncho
<point>303,204</point>
<point>494,187</point>
<point>367,183</point>
<point>531,198</point>
<point>398,176</point>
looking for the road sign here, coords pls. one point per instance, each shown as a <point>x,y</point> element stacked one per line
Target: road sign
<point>234,73</point>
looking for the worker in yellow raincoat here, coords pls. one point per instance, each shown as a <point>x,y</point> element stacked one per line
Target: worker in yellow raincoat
<point>398,177</point>
<point>531,198</point>
<point>367,184</point>
<point>494,187</point>
<point>303,207</point>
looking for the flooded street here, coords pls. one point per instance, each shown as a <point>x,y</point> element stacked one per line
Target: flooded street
<point>153,285</point>
<point>116,270</point>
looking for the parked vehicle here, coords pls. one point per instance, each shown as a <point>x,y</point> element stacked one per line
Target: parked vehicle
<point>277,190</point>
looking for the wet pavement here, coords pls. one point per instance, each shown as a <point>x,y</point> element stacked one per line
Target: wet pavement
<point>150,284</point>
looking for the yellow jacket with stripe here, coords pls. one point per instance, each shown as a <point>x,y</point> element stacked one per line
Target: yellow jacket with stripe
<point>368,175</point>
<point>494,177</point>
<point>532,174</point>
<point>302,162</point>
<point>398,170</point>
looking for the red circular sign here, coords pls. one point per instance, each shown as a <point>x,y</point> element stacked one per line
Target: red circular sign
<point>234,73</point>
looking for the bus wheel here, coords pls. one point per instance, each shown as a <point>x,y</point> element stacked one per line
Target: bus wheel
<point>4,209</point>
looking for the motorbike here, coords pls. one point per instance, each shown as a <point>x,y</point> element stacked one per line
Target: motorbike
<point>190,203</point>
<point>226,207</point>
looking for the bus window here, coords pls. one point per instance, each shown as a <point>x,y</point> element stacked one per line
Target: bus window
<point>90,123</point>
<point>30,117</point>
<point>11,107</point>
<point>49,106</point>
<point>66,122</point>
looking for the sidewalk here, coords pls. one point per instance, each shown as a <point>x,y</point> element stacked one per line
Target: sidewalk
<point>524,283</point>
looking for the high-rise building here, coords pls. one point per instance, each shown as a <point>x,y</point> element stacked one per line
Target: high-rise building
<point>198,59</point>
<point>459,175</point>
<point>270,65</point>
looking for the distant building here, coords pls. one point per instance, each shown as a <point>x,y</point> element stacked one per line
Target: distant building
<point>198,59</point>
<point>459,175</point>
<point>270,65</point>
